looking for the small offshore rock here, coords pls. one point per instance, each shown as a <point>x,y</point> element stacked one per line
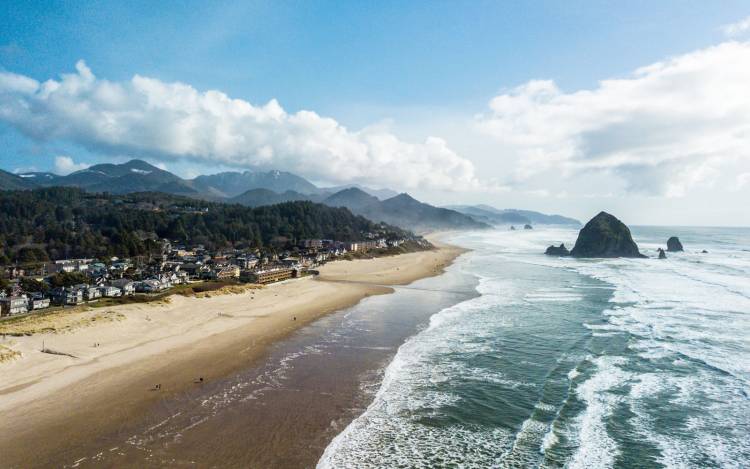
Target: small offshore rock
<point>560,250</point>
<point>674,244</point>
<point>662,254</point>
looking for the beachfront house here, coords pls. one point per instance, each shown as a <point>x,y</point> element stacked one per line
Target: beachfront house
<point>38,301</point>
<point>67,296</point>
<point>148,286</point>
<point>89,292</point>
<point>109,291</point>
<point>151,285</point>
<point>13,304</point>
<point>126,286</point>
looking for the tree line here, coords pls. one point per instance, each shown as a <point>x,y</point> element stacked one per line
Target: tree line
<point>58,223</point>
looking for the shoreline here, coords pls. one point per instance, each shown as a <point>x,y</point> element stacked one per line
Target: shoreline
<point>43,396</point>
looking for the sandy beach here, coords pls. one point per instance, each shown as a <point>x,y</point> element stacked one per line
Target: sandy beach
<point>115,356</point>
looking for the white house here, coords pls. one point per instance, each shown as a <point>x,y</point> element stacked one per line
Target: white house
<point>14,304</point>
<point>109,291</point>
<point>126,286</point>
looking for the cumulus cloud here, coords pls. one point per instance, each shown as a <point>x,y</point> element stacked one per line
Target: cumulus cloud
<point>738,28</point>
<point>65,165</point>
<point>665,128</point>
<point>150,118</point>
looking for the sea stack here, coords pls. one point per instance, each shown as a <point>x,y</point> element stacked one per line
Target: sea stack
<point>605,236</point>
<point>512,228</point>
<point>528,227</point>
<point>560,250</point>
<point>662,254</point>
<point>674,244</point>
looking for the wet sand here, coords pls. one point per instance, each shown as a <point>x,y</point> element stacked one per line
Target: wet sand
<point>52,406</point>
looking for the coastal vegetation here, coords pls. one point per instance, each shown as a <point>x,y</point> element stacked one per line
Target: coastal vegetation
<point>57,223</point>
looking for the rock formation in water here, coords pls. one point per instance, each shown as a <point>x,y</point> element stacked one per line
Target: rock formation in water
<point>605,236</point>
<point>528,227</point>
<point>704,252</point>
<point>512,228</point>
<point>560,250</point>
<point>662,254</point>
<point>674,244</point>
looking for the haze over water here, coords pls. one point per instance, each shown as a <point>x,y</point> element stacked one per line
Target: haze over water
<point>573,363</point>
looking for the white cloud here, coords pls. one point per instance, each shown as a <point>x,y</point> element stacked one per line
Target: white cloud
<point>147,117</point>
<point>666,128</point>
<point>738,28</point>
<point>65,165</point>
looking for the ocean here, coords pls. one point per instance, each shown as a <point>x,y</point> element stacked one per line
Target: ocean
<point>566,363</point>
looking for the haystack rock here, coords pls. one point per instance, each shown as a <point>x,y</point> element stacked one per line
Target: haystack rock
<point>662,254</point>
<point>560,250</point>
<point>605,236</point>
<point>528,227</point>
<point>674,244</point>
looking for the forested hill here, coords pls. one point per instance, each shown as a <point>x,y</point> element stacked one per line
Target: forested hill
<point>57,223</point>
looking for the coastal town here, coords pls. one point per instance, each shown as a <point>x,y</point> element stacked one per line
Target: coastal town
<point>71,282</point>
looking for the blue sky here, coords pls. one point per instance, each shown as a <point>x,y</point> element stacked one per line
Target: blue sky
<point>413,67</point>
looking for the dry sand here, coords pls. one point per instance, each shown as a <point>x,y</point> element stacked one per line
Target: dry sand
<point>51,402</point>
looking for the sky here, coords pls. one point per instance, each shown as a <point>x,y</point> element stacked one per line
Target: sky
<point>638,108</point>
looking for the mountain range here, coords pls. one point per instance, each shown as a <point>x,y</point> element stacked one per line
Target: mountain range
<point>494,216</point>
<point>402,210</point>
<point>140,176</point>
<point>257,188</point>
<point>14,182</point>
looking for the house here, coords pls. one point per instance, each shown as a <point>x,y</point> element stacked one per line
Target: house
<point>245,262</point>
<point>228,272</point>
<point>97,269</point>
<point>109,291</point>
<point>38,301</point>
<point>149,286</point>
<point>126,286</point>
<point>194,270</point>
<point>290,262</point>
<point>181,278</point>
<point>121,266</point>
<point>13,304</point>
<point>89,292</point>
<point>165,281</point>
<point>67,296</point>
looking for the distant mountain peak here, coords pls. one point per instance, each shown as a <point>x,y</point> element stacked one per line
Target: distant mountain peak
<point>404,197</point>
<point>139,164</point>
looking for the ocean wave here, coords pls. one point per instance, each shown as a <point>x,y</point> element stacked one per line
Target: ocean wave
<point>668,364</point>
